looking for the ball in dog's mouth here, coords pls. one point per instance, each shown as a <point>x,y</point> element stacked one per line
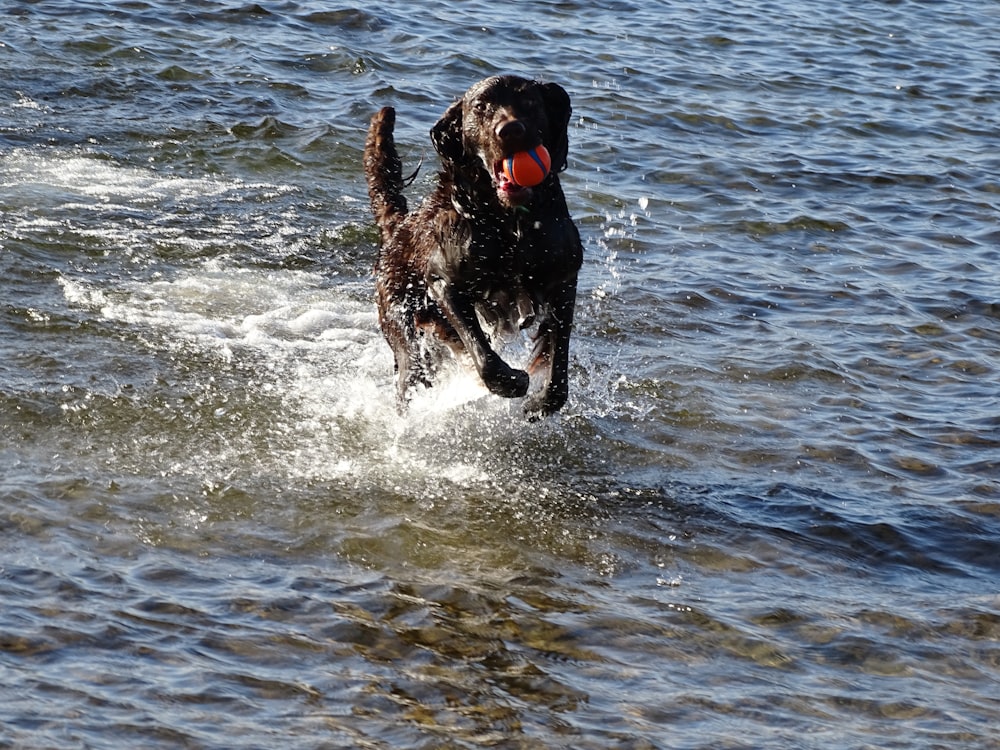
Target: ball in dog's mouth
<point>509,191</point>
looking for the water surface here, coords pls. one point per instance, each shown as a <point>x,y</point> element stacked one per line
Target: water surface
<point>768,516</point>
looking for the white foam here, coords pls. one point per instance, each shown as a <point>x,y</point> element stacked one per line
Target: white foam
<point>312,341</point>
<point>79,180</point>
<point>25,102</point>
<point>319,350</point>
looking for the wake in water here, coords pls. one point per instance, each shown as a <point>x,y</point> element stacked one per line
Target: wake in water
<point>317,348</point>
<point>273,370</point>
<point>321,377</point>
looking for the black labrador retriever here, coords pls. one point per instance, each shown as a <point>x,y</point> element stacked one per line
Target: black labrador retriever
<point>480,257</point>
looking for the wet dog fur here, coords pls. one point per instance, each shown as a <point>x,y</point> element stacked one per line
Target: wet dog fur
<point>480,256</point>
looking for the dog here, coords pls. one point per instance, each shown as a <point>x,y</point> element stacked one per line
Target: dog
<point>481,257</point>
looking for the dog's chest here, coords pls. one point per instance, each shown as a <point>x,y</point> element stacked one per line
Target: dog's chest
<point>527,245</point>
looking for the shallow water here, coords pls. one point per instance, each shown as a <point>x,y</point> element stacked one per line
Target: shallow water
<point>768,516</point>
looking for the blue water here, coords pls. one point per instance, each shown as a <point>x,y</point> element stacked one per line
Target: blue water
<point>768,516</point>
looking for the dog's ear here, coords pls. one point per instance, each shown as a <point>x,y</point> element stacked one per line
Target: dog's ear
<point>558,111</point>
<point>447,135</point>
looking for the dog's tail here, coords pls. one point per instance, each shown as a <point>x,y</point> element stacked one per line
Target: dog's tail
<point>384,172</point>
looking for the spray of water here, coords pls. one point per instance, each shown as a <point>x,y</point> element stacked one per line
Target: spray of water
<point>296,380</point>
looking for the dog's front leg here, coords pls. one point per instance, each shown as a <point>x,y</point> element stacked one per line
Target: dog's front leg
<point>552,353</point>
<point>460,309</point>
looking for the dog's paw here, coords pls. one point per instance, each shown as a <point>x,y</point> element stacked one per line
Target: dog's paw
<point>505,381</point>
<point>544,403</point>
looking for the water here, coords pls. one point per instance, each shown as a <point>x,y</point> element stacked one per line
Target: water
<point>768,516</point>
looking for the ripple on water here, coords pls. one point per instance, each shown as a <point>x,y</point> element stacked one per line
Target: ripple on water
<point>767,515</point>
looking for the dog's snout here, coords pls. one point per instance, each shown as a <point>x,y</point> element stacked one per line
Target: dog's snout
<point>511,130</point>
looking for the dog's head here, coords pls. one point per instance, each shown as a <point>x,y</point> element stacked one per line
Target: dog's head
<point>498,117</point>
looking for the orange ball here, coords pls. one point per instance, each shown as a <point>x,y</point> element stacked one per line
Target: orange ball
<point>528,168</point>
